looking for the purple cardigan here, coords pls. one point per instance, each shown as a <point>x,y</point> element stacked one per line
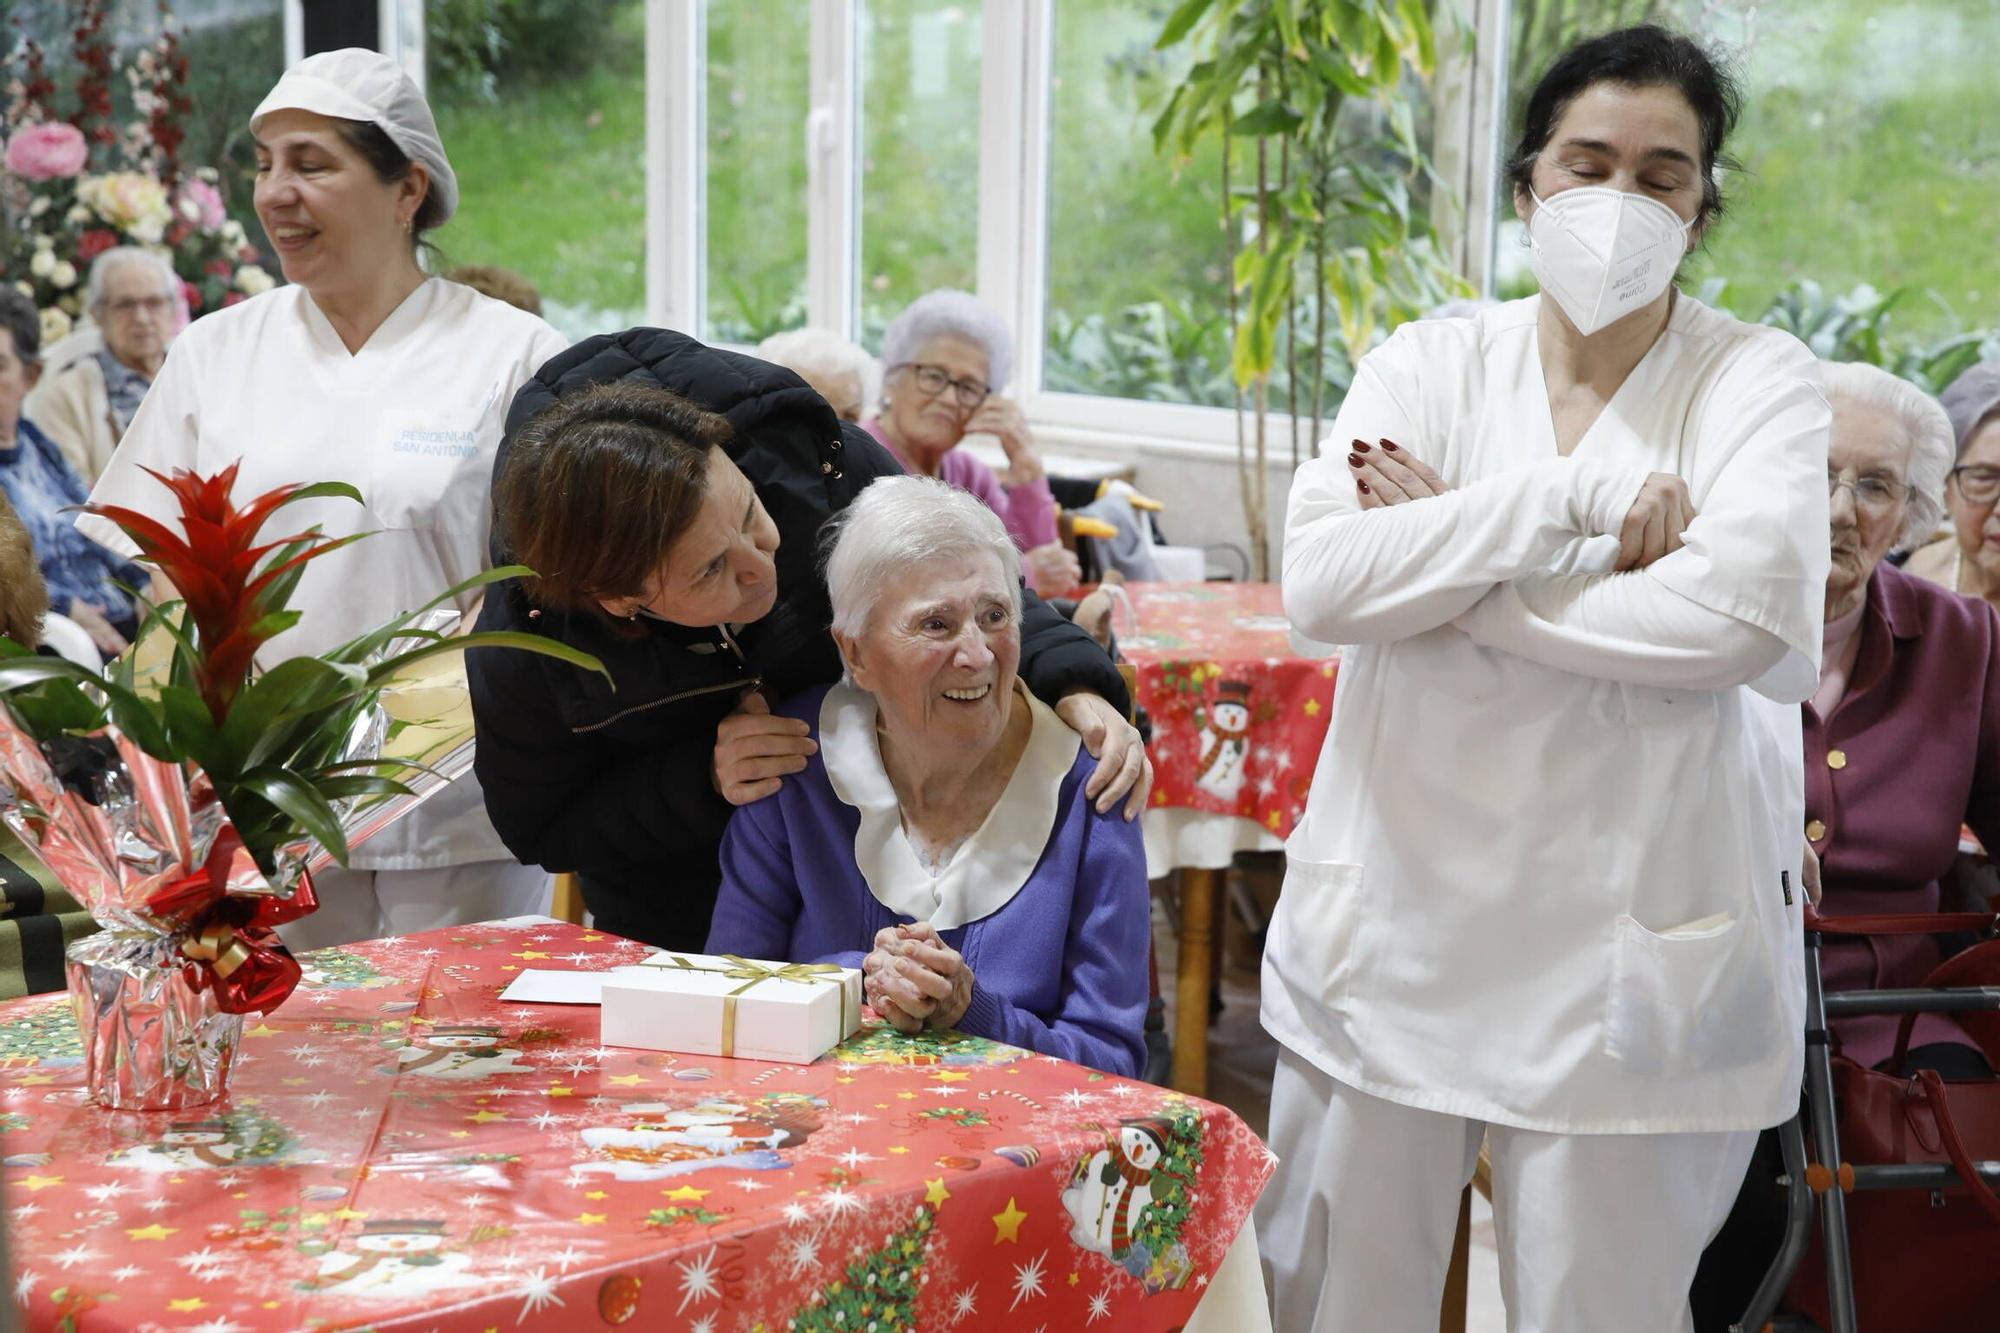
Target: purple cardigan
<point>1917,737</point>
<point>791,891</point>
<point>1028,511</point>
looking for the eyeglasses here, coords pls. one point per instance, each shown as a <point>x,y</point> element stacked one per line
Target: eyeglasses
<point>1977,483</point>
<point>132,305</point>
<point>1874,494</point>
<point>934,380</point>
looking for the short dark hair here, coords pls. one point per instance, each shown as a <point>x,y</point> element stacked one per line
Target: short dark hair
<point>599,485</point>
<point>390,165</point>
<point>1645,56</point>
<point>19,317</point>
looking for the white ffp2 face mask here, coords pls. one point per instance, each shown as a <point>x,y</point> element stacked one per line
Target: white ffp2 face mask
<point>1602,253</point>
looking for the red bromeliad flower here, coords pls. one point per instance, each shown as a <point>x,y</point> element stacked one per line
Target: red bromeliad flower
<point>236,607</point>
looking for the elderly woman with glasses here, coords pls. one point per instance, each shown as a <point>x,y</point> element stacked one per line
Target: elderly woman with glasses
<point>1902,747</point>
<point>85,405</point>
<point>1966,558</point>
<point>941,838</point>
<point>945,361</point>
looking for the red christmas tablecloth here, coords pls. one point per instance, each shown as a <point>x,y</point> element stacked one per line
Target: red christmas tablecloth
<point>1238,718</point>
<point>403,1151</point>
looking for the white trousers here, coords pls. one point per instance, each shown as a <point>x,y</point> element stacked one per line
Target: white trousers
<point>375,904</point>
<point>1598,1233</point>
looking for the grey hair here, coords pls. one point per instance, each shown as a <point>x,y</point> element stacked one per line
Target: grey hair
<point>1922,420</point>
<point>901,524</point>
<point>955,314</point>
<point>824,354</point>
<point>1970,399</point>
<point>100,274</point>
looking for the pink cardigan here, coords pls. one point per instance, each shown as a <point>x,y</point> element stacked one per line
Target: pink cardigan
<point>1028,511</point>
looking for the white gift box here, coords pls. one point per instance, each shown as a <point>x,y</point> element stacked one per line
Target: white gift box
<point>700,1004</point>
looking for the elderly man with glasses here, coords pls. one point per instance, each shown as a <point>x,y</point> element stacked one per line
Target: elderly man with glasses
<point>85,403</point>
<point>946,360</point>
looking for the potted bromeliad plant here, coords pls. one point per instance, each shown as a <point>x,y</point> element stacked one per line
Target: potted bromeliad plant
<point>183,804</point>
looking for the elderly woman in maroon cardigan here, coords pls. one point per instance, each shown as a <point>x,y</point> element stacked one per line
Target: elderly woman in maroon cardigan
<point>1902,740</point>
<point>1902,748</point>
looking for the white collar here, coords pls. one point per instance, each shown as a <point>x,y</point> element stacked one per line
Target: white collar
<point>988,868</point>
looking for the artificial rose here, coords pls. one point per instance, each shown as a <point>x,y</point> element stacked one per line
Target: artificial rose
<point>191,294</point>
<point>131,201</point>
<point>253,281</point>
<point>64,275</point>
<point>47,152</point>
<point>43,264</point>
<point>218,268</point>
<point>94,243</point>
<point>207,201</point>
<point>39,206</point>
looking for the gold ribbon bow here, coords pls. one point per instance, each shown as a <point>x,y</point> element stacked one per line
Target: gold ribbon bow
<point>752,973</point>
<point>218,946</point>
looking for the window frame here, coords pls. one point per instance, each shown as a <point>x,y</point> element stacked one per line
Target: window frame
<point>1016,56</point>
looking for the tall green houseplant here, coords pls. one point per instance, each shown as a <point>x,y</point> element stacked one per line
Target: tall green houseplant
<point>1314,102</point>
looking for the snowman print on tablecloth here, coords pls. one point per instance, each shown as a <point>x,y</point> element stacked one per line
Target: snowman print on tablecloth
<point>459,1051</point>
<point>1112,1187</point>
<point>394,1257</point>
<point>1224,741</point>
<point>240,1139</point>
<point>661,1140</point>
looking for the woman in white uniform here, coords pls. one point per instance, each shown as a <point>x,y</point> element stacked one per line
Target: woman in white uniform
<point>367,371</point>
<point>1548,885</point>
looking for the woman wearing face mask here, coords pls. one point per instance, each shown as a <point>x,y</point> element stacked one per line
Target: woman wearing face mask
<point>1548,884</point>
<point>368,371</point>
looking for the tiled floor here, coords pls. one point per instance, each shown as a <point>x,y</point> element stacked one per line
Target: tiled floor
<point>1240,1059</point>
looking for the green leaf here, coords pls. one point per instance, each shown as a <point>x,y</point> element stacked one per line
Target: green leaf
<point>323,490</point>
<point>533,643</point>
<point>345,788</point>
<point>1270,118</point>
<point>299,799</point>
<point>1181,22</point>
<point>193,731</point>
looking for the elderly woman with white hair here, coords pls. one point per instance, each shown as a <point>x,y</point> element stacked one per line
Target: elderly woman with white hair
<point>838,370</point>
<point>85,404</point>
<point>946,362</point>
<point>1966,557</point>
<point>941,839</point>
<point>1902,748</point>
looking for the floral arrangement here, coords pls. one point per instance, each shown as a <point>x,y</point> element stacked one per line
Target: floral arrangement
<point>185,807</point>
<point>76,184</point>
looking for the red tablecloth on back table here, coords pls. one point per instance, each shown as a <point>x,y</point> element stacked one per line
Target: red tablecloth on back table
<point>402,1150</point>
<point>1238,717</point>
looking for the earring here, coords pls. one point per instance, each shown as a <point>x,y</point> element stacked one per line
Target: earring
<point>407,224</point>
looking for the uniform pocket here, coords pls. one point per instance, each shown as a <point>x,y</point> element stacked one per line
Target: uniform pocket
<point>1689,1000</point>
<point>1319,919</point>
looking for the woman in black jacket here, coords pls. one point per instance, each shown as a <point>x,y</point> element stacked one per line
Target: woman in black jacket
<point>630,784</point>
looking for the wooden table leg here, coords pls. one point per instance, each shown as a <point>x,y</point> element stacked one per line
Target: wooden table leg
<point>1193,967</point>
<point>1457,1278</point>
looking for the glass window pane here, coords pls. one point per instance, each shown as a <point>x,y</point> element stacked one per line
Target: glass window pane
<point>1866,141</point>
<point>542,111</point>
<point>759,91</point>
<point>1137,287</point>
<point>919,154</point>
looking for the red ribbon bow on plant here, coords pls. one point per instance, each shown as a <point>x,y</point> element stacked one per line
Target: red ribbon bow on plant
<point>229,939</point>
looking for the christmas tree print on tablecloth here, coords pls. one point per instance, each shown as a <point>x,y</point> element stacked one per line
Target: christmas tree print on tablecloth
<point>338,969</point>
<point>46,1038</point>
<point>877,1291</point>
<point>881,1044</point>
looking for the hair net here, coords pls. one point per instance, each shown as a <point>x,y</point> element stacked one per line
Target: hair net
<point>357,84</point>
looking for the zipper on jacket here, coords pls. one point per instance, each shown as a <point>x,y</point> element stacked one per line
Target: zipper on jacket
<point>750,684</point>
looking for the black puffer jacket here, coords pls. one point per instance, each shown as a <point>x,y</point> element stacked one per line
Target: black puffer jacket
<point>615,783</point>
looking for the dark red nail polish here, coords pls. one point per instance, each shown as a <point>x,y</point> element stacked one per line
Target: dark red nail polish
<point>1390,445</point>
<point>1361,446</point>
<point>1361,485</point>
<point>1354,460</point>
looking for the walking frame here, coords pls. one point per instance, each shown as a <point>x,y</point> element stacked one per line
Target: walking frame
<point>1828,1178</point>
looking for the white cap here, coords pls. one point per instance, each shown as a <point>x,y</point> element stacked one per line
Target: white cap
<point>357,84</point>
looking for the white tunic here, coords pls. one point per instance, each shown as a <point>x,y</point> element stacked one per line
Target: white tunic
<point>412,421</point>
<point>1548,871</point>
